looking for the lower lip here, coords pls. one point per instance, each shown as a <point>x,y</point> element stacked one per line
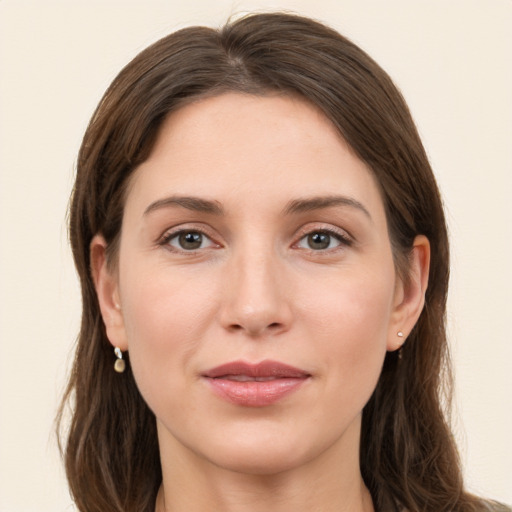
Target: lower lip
<point>255,393</point>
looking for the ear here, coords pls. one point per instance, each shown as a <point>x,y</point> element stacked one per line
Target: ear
<point>107,290</point>
<point>409,296</point>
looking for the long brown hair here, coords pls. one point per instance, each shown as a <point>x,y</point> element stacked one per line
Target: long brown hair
<point>408,456</point>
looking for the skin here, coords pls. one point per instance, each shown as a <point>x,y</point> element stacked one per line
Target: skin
<point>257,287</point>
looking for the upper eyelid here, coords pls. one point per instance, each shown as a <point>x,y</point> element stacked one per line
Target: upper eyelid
<point>343,240</point>
<point>180,228</point>
<point>173,234</point>
<point>325,227</point>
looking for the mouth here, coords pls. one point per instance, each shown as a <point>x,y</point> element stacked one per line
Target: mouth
<point>255,385</point>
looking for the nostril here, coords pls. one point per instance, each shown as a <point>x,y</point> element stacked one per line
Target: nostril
<point>254,330</point>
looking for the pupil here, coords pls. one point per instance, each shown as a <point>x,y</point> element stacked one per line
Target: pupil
<point>319,241</point>
<point>190,240</point>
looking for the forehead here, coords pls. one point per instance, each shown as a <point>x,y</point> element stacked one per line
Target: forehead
<point>251,148</point>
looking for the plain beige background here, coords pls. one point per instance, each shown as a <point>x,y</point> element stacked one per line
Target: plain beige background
<point>452,60</point>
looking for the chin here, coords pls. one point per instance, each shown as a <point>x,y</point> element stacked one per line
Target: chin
<point>258,461</point>
<point>264,453</point>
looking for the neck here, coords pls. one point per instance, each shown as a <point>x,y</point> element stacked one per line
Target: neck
<point>265,496</point>
<point>330,482</point>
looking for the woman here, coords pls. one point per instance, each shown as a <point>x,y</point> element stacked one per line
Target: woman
<point>264,266</point>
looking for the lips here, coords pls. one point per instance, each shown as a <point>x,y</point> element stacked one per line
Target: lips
<point>255,385</point>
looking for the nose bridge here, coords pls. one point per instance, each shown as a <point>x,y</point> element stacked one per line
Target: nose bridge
<point>255,301</point>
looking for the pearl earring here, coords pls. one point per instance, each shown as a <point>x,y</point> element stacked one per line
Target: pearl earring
<point>400,334</point>
<point>119,365</point>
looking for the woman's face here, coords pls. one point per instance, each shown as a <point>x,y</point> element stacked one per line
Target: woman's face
<point>256,284</point>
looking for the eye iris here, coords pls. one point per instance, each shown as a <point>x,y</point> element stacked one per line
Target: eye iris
<point>319,240</point>
<point>190,240</point>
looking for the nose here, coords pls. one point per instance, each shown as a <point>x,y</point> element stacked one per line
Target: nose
<point>256,299</point>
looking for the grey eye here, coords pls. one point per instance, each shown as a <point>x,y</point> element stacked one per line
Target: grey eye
<point>320,241</point>
<point>189,240</point>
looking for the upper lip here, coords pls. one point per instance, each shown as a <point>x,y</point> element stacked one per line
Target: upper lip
<point>262,369</point>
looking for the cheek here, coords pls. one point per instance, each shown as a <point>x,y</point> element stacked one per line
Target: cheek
<point>355,306</point>
<point>349,324</point>
<point>165,319</point>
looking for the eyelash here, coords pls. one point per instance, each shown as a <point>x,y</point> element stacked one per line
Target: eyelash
<point>343,239</point>
<point>168,236</point>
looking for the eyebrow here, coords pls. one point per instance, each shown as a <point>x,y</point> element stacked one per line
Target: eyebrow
<point>320,202</point>
<point>293,207</point>
<point>190,203</point>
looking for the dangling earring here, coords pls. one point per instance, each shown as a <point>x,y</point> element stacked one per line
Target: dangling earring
<point>400,334</point>
<point>119,365</point>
